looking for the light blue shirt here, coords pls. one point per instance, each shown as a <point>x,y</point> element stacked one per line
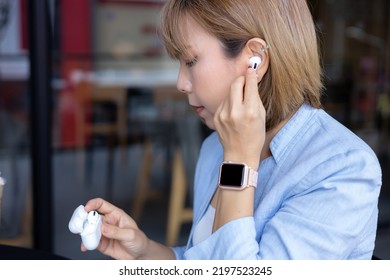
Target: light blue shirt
<point>317,196</point>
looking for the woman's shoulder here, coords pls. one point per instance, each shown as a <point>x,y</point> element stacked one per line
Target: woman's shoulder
<point>315,138</point>
<point>329,143</point>
<point>317,131</point>
<point>339,137</point>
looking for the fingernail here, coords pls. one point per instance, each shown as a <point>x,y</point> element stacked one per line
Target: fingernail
<point>250,70</point>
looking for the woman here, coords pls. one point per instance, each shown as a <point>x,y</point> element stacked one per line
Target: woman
<point>315,185</point>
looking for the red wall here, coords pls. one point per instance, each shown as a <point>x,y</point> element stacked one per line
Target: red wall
<point>75,44</point>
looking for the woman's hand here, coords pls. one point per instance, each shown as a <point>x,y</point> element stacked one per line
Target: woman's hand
<point>121,237</point>
<point>240,121</point>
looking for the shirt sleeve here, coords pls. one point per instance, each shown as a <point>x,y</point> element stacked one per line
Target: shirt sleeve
<point>179,252</point>
<point>234,240</point>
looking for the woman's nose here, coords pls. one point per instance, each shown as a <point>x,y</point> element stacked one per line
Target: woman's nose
<point>183,82</point>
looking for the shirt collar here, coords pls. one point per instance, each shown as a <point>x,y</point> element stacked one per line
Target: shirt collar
<point>290,132</point>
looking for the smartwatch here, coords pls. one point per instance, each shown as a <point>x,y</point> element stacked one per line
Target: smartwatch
<point>236,176</point>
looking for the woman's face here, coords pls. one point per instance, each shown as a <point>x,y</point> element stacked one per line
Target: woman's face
<point>206,76</point>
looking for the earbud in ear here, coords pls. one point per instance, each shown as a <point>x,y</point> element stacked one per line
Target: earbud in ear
<point>254,62</point>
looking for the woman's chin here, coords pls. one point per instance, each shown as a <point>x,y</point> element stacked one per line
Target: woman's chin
<point>208,123</point>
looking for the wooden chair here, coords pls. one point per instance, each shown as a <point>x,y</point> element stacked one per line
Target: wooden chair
<point>185,157</point>
<point>143,190</point>
<point>178,212</point>
<point>89,95</point>
<point>113,130</point>
<point>162,97</point>
<point>184,145</point>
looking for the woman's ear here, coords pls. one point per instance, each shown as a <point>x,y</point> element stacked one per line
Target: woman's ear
<point>256,54</point>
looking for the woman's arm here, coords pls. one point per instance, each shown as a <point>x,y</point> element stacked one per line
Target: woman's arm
<point>240,122</point>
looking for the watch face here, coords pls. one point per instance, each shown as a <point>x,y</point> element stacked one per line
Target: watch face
<point>232,175</point>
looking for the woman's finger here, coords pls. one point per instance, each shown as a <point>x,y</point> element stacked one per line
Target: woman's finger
<point>251,92</point>
<point>117,233</point>
<point>100,205</point>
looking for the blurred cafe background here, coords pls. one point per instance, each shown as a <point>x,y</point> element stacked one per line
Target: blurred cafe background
<point>89,108</point>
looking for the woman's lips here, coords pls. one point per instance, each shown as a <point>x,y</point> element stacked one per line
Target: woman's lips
<point>198,109</point>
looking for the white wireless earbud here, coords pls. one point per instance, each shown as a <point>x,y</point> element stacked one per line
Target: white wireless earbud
<point>254,62</point>
<point>93,217</point>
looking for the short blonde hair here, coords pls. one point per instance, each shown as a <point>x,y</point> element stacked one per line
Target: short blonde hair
<point>294,74</point>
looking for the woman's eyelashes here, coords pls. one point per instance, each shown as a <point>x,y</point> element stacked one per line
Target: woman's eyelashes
<point>191,63</point>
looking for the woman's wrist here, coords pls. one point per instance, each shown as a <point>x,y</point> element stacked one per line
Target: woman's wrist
<point>157,251</point>
<point>232,205</point>
<point>252,162</point>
